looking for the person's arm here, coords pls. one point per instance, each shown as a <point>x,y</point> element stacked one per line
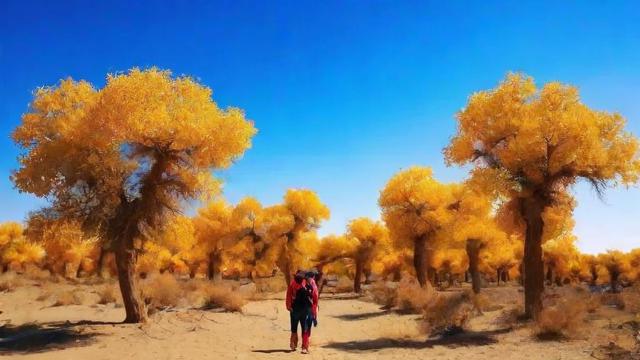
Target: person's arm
<point>289,299</point>
<point>314,296</point>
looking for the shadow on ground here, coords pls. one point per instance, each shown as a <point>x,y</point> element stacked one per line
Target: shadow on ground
<point>36,338</point>
<point>469,338</point>
<point>273,351</point>
<point>364,316</point>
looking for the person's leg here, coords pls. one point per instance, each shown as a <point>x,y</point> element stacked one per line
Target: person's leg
<point>306,333</point>
<point>293,340</point>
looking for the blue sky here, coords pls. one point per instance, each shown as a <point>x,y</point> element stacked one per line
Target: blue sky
<point>344,93</point>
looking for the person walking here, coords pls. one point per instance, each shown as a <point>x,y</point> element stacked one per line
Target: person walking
<point>301,302</point>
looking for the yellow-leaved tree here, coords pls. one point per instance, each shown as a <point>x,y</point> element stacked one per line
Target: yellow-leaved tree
<point>122,157</point>
<point>415,206</point>
<point>291,228</point>
<point>16,251</point>
<point>532,144</point>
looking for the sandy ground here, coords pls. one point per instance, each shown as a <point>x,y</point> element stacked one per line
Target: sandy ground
<point>349,328</point>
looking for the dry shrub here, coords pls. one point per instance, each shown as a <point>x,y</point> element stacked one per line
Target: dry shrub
<point>219,296</point>
<point>410,297</point>
<point>208,295</point>
<point>384,293</point>
<point>107,294</point>
<point>344,285</point>
<point>631,298</point>
<point>613,300</point>
<point>561,320</point>
<point>447,313</point>
<point>274,284</point>
<point>509,318</point>
<point>33,272</point>
<point>67,297</point>
<point>161,291</point>
<point>9,281</point>
<point>592,303</point>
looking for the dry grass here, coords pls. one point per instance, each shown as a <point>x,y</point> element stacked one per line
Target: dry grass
<point>35,273</point>
<point>616,301</point>
<point>410,297</point>
<point>631,298</point>
<point>384,293</point>
<point>563,319</point>
<point>67,297</point>
<point>108,294</point>
<point>161,291</point>
<point>447,313</point>
<point>208,295</point>
<point>274,284</point>
<point>10,281</point>
<point>344,285</point>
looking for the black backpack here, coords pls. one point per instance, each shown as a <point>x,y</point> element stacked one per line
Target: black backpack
<point>303,298</point>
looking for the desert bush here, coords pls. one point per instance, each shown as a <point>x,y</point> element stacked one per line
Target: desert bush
<point>447,313</point>
<point>614,300</point>
<point>592,303</point>
<point>509,318</point>
<point>44,294</point>
<point>208,295</point>
<point>410,297</point>
<point>562,319</point>
<point>161,291</point>
<point>107,294</point>
<point>344,285</point>
<point>631,298</point>
<point>274,284</point>
<point>9,281</point>
<point>33,272</point>
<point>67,297</point>
<point>384,293</point>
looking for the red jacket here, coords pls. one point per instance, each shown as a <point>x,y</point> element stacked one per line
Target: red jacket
<point>292,290</point>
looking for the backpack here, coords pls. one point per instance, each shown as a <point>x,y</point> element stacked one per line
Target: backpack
<point>303,297</point>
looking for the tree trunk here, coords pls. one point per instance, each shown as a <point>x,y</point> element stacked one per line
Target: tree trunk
<point>473,251</point>
<point>419,259</point>
<point>533,264</point>
<point>466,276</point>
<point>213,266</point>
<point>125,262</point>
<point>614,275</point>
<point>357,277</point>
<point>594,276</point>
<point>100,263</point>
<point>549,274</point>
<point>498,273</point>
<point>79,269</point>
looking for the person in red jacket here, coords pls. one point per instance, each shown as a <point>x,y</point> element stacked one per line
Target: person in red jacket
<point>302,304</point>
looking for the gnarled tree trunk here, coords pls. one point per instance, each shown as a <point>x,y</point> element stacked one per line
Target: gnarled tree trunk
<point>358,277</point>
<point>473,251</point>
<point>213,266</point>
<point>531,211</point>
<point>420,259</point>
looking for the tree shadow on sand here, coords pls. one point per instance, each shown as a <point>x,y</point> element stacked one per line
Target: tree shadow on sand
<point>37,338</point>
<point>468,338</point>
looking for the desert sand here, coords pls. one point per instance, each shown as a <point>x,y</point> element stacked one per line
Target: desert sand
<point>349,328</point>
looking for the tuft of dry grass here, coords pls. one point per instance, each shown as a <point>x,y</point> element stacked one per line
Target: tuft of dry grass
<point>384,293</point>
<point>220,296</point>
<point>447,313</point>
<point>33,272</point>
<point>616,300</point>
<point>67,297</point>
<point>410,297</point>
<point>344,285</point>
<point>273,284</point>
<point>631,298</point>
<point>10,281</point>
<point>562,319</point>
<point>161,291</point>
<point>107,294</point>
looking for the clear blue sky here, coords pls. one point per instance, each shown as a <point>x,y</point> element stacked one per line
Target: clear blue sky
<point>344,93</point>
